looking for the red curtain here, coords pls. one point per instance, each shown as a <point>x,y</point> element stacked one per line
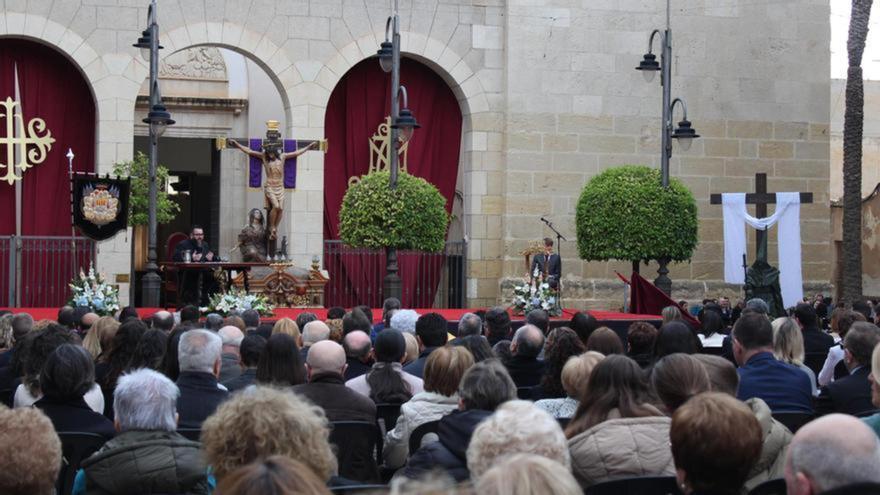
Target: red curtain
<point>53,89</point>
<point>358,104</point>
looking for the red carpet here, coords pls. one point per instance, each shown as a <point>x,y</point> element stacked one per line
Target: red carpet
<point>449,314</point>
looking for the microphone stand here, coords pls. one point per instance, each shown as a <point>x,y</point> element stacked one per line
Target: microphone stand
<point>559,238</point>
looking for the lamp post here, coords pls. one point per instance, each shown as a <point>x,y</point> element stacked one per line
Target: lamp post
<point>403,125</point>
<point>158,119</point>
<point>684,132</point>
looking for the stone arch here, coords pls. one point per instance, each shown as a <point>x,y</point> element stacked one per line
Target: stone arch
<point>72,46</point>
<point>258,48</point>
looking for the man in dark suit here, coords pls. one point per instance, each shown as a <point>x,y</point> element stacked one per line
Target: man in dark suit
<point>252,346</point>
<point>547,265</point>
<point>852,394</point>
<point>784,387</point>
<point>199,251</point>
<point>200,394</point>
<point>431,334</point>
<point>358,354</point>
<point>816,342</point>
<point>524,366</point>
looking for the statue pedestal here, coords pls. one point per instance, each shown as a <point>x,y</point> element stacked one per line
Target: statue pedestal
<point>286,285</point>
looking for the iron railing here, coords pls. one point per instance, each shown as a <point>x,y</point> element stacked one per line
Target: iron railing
<point>35,270</point>
<point>429,279</point>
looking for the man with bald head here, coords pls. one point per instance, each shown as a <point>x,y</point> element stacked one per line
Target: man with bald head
<point>325,368</point>
<point>358,353</point>
<point>163,320</point>
<point>524,366</point>
<point>312,332</point>
<point>835,454</point>
<point>230,357</point>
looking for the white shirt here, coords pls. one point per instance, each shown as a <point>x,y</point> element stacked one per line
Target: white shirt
<point>835,355</point>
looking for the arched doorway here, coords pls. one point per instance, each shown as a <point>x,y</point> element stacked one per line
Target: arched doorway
<point>359,103</point>
<point>36,209</point>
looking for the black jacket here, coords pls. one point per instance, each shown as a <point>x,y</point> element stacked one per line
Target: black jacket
<point>199,397</point>
<point>417,367</point>
<point>525,371</point>
<point>356,368</point>
<point>849,395</point>
<point>554,267</point>
<point>816,343</point>
<point>75,416</point>
<point>450,452</point>
<point>190,245</point>
<point>247,377</point>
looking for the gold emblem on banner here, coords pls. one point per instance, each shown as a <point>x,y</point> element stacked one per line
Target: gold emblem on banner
<point>380,151</point>
<point>33,148</point>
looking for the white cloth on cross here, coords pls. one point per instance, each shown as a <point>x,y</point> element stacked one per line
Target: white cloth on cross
<point>788,215</point>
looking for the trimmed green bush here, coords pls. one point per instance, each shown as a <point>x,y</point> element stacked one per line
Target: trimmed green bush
<point>413,217</point>
<point>625,214</point>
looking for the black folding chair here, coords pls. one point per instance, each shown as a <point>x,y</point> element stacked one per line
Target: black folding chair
<point>563,422</point>
<point>865,414</point>
<point>75,447</point>
<point>7,396</point>
<point>354,489</point>
<point>641,485</point>
<point>415,438</point>
<point>771,487</point>
<point>793,421</point>
<point>358,448</point>
<point>193,434</point>
<point>388,414</point>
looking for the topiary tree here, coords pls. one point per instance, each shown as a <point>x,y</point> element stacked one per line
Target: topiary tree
<point>412,217</point>
<point>625,214</point>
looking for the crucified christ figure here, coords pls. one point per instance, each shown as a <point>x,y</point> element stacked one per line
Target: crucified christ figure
<point>273,164</point>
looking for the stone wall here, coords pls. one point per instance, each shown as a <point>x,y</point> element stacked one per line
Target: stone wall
<point>548,98</point>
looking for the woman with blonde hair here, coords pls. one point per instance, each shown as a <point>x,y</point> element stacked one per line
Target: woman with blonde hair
<point>260,422</point>
<point>575,376</point>
<point>788,346</point>
<point>287,327</point>
<point>443,371</point>
<point>525,474</point>
<point>99,337</point>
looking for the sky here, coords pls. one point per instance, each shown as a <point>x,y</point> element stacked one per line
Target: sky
<point>840,10</point>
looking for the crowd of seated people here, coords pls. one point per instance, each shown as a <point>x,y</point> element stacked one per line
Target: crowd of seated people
<point>175,403</point>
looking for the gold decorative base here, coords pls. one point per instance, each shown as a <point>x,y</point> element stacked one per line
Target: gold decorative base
<point>287,286</point>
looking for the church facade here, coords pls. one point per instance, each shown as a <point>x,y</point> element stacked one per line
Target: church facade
<point>547,95</point>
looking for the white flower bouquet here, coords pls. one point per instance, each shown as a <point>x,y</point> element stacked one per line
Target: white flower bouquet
<point>237,300</point>
<point>527,297</point>
<point>90,290</point>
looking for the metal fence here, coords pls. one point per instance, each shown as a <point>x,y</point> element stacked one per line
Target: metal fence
<point>35,270</point>
<point>428,279</point>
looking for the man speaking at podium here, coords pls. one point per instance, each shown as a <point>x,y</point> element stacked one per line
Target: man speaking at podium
<point>547,265</point>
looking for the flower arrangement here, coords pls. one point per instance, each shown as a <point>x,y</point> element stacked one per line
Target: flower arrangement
<point>527,297</point>
<point>237,300</point>
<point>90,290</point>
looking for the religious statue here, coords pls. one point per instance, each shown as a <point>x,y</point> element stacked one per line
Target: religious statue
<point>762,281</point>
<point>252,238</point>
<point>273,165</point>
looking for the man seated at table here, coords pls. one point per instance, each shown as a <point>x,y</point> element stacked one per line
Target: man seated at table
<point>199,252</point>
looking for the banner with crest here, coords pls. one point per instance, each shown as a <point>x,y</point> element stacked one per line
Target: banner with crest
<point>100,205</point>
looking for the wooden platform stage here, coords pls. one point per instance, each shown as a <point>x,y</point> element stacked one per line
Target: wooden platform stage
<point>616,321</point>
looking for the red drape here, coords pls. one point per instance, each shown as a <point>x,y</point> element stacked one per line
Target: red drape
<point>358,104</point>
<point>646,298</point>
<point>53,89</point>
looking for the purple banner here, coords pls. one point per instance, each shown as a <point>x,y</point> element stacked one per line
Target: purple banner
<point>255,170</point>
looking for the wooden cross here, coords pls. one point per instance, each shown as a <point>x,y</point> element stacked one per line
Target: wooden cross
<point>761,198</point>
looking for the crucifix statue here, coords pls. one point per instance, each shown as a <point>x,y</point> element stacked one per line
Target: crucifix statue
<point>761,279</point>
<point>277,158</point>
